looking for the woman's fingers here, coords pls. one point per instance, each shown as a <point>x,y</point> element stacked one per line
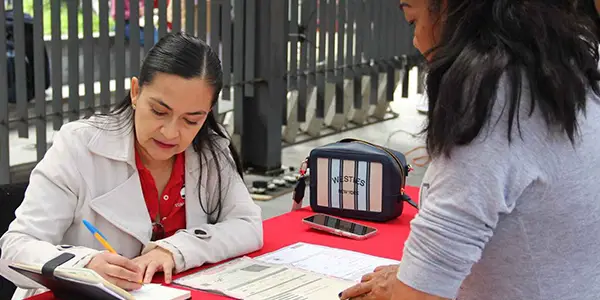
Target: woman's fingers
<point>356,290</point>
<point>150,270</point>
<point>124,262</point>
<point>367,277</point>
<point>122,273</point>
<point>168,272</point>
<point>125,284</point>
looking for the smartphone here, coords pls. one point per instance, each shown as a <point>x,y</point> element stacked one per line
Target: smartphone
<point>339,227</point>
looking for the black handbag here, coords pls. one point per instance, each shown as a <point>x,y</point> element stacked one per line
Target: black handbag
<point>356,179</point>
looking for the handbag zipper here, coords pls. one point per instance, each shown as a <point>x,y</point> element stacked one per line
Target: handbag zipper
<point>398,163</point>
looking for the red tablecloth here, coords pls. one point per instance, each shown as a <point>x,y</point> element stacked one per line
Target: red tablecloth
<point>288,229</point>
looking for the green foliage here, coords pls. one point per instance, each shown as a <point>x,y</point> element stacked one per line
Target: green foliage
<point>64,20</point>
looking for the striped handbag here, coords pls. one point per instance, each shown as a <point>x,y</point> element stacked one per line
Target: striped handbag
<point>359,180</point>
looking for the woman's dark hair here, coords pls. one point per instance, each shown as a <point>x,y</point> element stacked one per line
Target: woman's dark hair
<point>587,8</point>
<point>189,57</point>
<point>542,43</point>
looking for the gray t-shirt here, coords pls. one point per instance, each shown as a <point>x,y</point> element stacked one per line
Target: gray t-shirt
<point>510,222</point>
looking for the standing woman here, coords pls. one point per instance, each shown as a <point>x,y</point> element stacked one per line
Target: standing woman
<point>510,204</point>
<point>157,177</point>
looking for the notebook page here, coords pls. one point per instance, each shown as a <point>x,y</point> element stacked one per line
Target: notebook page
<point>158,292</point>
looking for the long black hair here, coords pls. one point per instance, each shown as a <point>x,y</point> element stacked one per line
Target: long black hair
<point>544,43</point>
<point>189,57</point>
<point>587,8</point>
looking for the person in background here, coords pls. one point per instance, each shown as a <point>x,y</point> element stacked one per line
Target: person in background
<point>126,6</point>
<point>157,177</point>
<point>510,205</point>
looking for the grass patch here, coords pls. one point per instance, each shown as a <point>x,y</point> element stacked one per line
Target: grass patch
<point>64,20</point>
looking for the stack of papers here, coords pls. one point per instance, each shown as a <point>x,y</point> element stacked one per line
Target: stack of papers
<point>153,291</point>
<point>298,272</point>
<point>246,278</point>
<point>344,264</point>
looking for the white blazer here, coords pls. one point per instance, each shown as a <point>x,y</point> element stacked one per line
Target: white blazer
<point>91,174</point>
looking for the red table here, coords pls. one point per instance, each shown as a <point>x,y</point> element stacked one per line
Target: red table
<point>288,229</point>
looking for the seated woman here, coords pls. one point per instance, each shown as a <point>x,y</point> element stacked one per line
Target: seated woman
<point>158,177</point>
<point>510,205</point>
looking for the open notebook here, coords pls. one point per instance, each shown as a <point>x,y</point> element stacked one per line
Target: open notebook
<point>81,283</point>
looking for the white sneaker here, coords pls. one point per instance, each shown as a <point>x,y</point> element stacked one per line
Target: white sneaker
<point>423,105</point>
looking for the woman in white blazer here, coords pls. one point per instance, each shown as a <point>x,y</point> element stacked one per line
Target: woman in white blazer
<point>109,170</point>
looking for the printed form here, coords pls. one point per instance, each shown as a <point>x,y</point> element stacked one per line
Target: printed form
<point>344,264</point>
<point>246,278</point>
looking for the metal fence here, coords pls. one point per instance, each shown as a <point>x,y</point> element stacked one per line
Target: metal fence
<point>293,69</point>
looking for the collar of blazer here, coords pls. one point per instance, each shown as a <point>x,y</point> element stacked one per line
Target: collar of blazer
<point>114,139</point>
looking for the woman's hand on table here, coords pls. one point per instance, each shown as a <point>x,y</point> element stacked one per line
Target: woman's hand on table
<point>374,286</point>
<point>117,270</point>
<point>156,260</point>
<point>383,284</point>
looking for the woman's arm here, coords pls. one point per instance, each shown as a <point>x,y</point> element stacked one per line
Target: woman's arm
<point>239,230</point>
<point>48,208</point>
<point>462,200</point>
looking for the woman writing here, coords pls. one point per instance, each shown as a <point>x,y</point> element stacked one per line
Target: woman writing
<point>157,177</point>
<point>509,206</point>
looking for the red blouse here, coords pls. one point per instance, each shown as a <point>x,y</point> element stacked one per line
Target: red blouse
<point>169,209</point>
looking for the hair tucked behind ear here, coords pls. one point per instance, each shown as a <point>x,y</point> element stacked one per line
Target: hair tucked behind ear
<point>544,42</point>
<point>189,57</point>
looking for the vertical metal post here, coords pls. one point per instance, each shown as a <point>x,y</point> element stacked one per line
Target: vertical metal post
<point>134,38</point>
<point>293,76</point>
<point>359,69</point>
<point>104,57</point>
<point>119,51</point>
<point>201,11</point>
<point>354,53</point>
<point>262,122</point>
<point>238,67</point>
<point>339,73</point>
<point>176,15</point>
<point>20,70</point>
<point>226,46</point>
<point>88,57</point>
<point>304,49</point>
<point>372,51</point>
<point>39,64</point>
<point>148,25</point>
<point>215,17</point>
<point>190,13</point>
<point>250,47</point>
<point>56,65</point>
<point>322,7</point>
<point>388,12</point>
<point>162,18</point>
<point>310,21</point>
<point>350,19</point>
<point>4,145</point>
<point>73,46</point>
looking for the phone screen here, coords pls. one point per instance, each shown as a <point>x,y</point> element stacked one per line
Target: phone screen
<point>335,223</point>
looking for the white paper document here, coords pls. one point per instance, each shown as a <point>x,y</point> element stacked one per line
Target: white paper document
<point>344,264</point>
<point>246,278</point>
<point>159,292</point>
